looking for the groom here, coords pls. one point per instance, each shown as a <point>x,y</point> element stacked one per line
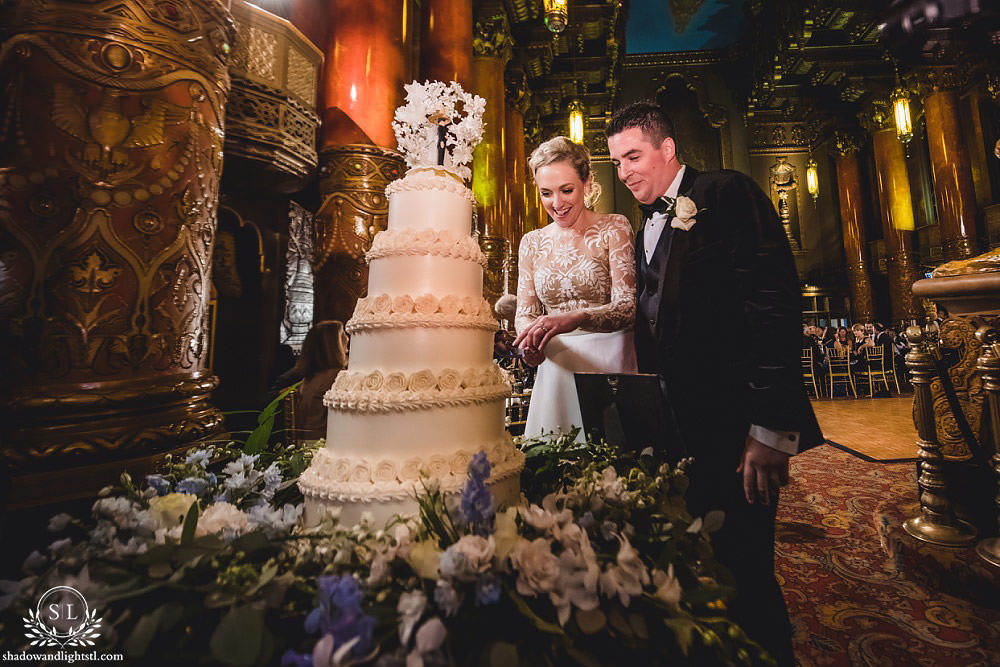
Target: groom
<point>718,319</point>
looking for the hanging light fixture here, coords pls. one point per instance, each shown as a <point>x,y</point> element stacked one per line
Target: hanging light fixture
<point>576,121</point>
<point>901,115</point>
<point>812,179</point>
<point>556,15</point>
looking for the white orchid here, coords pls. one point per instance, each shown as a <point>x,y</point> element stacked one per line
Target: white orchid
<point>416,134</point>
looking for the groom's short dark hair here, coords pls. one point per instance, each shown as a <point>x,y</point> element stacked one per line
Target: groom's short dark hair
<point>647,116</point>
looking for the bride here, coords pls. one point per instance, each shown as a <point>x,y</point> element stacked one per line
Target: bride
<point>575,288</point>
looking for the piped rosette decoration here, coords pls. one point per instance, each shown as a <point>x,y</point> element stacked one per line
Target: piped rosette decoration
<point>385,311</point>
<point>378,391</point>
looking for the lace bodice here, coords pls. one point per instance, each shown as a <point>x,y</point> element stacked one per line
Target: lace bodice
<point>561,270</point>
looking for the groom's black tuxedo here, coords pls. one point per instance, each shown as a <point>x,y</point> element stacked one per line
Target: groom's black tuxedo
<point>719,319</point>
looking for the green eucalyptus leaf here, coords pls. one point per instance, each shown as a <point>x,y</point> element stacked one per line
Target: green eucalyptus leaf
<point>638,624</point>
<point>238,638</point>
<point>536,620</point>
<point>170,613</point>
<point>591,622</point>
<point>618,621</point>
<point>160,570</point>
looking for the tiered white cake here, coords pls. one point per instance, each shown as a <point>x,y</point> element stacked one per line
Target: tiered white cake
<point>421,393</point>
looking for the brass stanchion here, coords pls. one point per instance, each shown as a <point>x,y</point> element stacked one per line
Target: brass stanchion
<point>989,365</point>
<point>937,522</point>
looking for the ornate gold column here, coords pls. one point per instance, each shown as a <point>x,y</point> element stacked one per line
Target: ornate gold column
<point>363,86</point>
<point>354,208</point>
<point>897,212</point>
<point>363,79</point>
<point>954,190</point>
<point>112,150</point>
<point>491,48</point>
<point>853,224</point>
<point>517,99</point>
<point>446,41</point>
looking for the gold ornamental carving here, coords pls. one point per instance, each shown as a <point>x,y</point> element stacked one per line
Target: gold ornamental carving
<point>113,117</point>
<point>958,335</point>
<point>846,142</point>
<point>877,115</point>
<point>271,118</point>
<point>496,250</point>
<point>352,182</point>
<point>903,272</point>
<point>491,38</point>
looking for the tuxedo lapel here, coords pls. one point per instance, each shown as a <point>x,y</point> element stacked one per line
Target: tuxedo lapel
<point>672,265</point>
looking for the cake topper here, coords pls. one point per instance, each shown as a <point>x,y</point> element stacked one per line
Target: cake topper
<point>439,125</point>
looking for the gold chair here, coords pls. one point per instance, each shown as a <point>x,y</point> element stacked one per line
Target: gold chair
<point>875,368</point>
<point>809,370</point>
<point>839,371</point>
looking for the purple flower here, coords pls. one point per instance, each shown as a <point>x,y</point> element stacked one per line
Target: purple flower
<point>161,485</point>
<point>195,485</point>
<point>487,590</point>
<point>479,466</point>
<point>339,613</point>
<point>477,501</point>
<point>477,506</point>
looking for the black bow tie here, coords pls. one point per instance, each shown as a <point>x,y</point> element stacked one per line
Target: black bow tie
<point>659,205</point>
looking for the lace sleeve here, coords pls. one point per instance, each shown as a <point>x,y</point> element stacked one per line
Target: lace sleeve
<point>620,312</point>
<point>529,306</point>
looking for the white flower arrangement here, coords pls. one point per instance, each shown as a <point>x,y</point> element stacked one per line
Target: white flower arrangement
<point>416,125</point>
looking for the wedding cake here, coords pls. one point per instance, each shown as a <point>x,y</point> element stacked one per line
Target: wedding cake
<point>421,394</point>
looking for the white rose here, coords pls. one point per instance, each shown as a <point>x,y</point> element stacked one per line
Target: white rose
<point>685,211</point>
<point>171,510</point>
<point>537,567</point>
<point>222,517</point>
<point>423,558</point>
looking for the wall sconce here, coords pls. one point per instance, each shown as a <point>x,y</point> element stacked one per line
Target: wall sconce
<point>901,116</point>
<point>576,121</point>
<point>556,15</point>
<point>812,179</point>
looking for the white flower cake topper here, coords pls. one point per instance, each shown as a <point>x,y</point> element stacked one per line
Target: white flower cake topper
<point>432,105</point>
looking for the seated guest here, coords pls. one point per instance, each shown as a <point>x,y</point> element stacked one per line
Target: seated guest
<point>324,355</point>
<point>829,336</point>
<point>844,342</point>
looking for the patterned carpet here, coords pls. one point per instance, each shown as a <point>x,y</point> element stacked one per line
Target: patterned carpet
<point>849,603</point>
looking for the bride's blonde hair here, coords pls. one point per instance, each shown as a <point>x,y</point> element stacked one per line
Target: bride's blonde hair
<point>563,149</point>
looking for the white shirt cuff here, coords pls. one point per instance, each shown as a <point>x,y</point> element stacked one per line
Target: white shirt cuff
<point>783,441</point>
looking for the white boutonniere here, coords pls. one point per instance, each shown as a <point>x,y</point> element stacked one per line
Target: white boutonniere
<point>684,212</point>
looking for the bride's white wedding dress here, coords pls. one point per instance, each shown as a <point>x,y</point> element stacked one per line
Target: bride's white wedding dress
<point>562,270</point>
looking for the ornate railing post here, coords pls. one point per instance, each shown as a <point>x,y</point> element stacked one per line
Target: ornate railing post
<point>937,522</point>
<point>989,365</point>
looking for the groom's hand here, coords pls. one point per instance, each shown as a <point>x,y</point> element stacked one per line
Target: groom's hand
<point>764,470</point>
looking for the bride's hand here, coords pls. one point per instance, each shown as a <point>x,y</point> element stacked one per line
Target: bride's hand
<point>533,357</point>
<point>537,334</point>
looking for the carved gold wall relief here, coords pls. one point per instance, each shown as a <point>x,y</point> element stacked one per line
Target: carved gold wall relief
<point>496,250</point>
<point>111,153</point>
<point>352,181</point>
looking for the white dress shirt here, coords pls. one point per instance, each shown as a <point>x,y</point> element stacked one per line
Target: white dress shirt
<point>783,441</point>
